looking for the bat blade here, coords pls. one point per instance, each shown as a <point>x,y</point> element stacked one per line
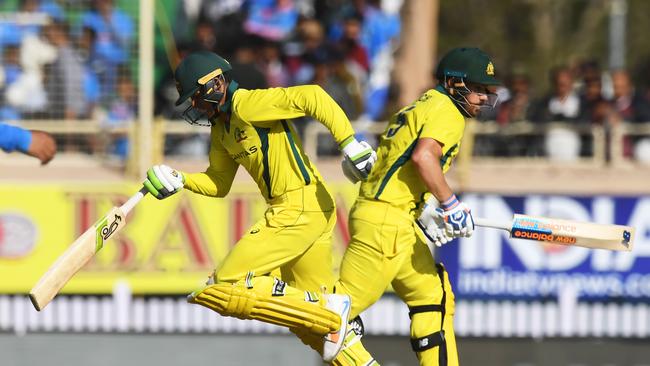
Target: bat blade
<point>75,257</point>
<point>573,233</point>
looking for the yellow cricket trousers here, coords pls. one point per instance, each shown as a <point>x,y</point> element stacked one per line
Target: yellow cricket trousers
<point>294,236</point>
<point>385,249</point>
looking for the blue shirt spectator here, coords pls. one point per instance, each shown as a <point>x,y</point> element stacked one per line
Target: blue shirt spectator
<point>271,19</point>
<point>114,30</point>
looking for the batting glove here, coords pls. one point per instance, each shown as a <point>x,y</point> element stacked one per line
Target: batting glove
<point>360,157</point>
<point>457,218</point>
<point>432,224</point>
<point>163,181</point>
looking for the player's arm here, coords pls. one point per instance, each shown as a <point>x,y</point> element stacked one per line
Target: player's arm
<point>217,179</point>
<point>277,104</point>
<point>163,181</point>
<point>38,144</point>
<point>453,214</point>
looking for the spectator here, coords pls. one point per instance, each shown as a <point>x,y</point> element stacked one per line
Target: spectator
<point>275,72</point>
<point>350,42</point>
<point>65,77</point>
<point>205,37</point>
<point>114,31</point>
<point>13,32</point>
<point>562,104</point>
<point>517,107</point>
<point>244,66</point>
<point>311,40</point>
<point>94,67</point>
<point>121,112</point>
<point>630,105</point>
<point>11,71</point>
<point>271,19</point>
<point>330,74</point>
<point>594,108</point>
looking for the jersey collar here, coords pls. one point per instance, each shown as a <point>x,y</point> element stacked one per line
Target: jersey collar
<point>442,90</point>
<point>227,105</point>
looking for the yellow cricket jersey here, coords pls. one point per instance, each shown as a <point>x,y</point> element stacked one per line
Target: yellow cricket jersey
<point>255,132</point>
<point>394,178</point>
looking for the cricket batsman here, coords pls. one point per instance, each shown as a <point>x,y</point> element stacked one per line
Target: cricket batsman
<point>415,151</point>
<point>252,128</point>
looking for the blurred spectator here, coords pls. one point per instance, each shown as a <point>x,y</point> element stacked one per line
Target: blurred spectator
<point>517,107</point>
<point>64,79</point>
<point>271,19</point>
<point>562,104</point>
<point>331,75</point>
<point>275,72</point>
<point>301,53</point>
<point>594,108</point>
<point>27,92</point>
<point>31,15</point>
<point>94,67</point>
<point>630,105</point>
<point>114,32</point>
<point>205,37</point>
<point>121,112</point>
<point>350,42</point>
<point>244,66</point>
<point>379,33</point>
<point>11,72</point>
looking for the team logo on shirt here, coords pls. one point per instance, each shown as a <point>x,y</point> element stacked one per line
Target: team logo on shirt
<point>240,135</point>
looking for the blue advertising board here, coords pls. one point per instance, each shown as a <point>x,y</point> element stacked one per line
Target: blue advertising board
<point>489,265</point>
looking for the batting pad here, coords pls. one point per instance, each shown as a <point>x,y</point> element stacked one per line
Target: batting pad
<point>238,301</point>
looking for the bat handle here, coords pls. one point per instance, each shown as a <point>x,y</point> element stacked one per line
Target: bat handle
<point>495,224</point>
<point>128,205</point>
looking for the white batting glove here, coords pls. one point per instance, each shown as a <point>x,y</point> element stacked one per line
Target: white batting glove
<point>361,158</point>
<point>163,181</point>
<point>432,224</point>
<point>457,217</point>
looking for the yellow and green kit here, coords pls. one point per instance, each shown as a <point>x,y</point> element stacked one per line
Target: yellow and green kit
<point>254,130</point>
<point>386,248</point>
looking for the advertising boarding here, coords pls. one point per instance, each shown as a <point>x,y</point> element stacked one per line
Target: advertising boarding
<point>490,265</point>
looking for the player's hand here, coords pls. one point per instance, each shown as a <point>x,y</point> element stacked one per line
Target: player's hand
<point>432,224</point>
<point>163,181</point>
<point>457,218</point>
<point>361,158</point>
<point>42,147</point>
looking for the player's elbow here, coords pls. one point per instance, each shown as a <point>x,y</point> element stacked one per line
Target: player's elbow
<point>221,193</point>
<point>422,158</point>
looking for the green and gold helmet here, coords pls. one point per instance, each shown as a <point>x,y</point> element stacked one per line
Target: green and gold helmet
<point>196,70</point>
<point>468,70</point>
<point>470,64</point>
<point>200,71</point>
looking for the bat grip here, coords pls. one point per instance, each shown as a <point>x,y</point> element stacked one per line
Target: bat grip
<point>495,224</point>
<point>128,205</point>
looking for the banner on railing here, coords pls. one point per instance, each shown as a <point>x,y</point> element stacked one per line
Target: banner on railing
<point>489,265</point>
<point>167,247</point>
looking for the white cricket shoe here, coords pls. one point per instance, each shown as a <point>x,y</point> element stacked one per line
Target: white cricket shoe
<point>341,305</point>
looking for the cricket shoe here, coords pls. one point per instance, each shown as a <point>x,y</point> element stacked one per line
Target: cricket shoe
<point>340,304</point>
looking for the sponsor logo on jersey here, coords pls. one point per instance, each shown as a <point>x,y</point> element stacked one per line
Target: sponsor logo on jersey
<point>240,135</point>
<point>251,150</point>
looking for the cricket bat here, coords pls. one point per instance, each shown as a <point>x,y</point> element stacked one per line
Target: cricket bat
<point>565,232</point>
<point>80,252</point>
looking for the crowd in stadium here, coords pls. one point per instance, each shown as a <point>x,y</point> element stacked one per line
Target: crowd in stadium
<point>63,62</point>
